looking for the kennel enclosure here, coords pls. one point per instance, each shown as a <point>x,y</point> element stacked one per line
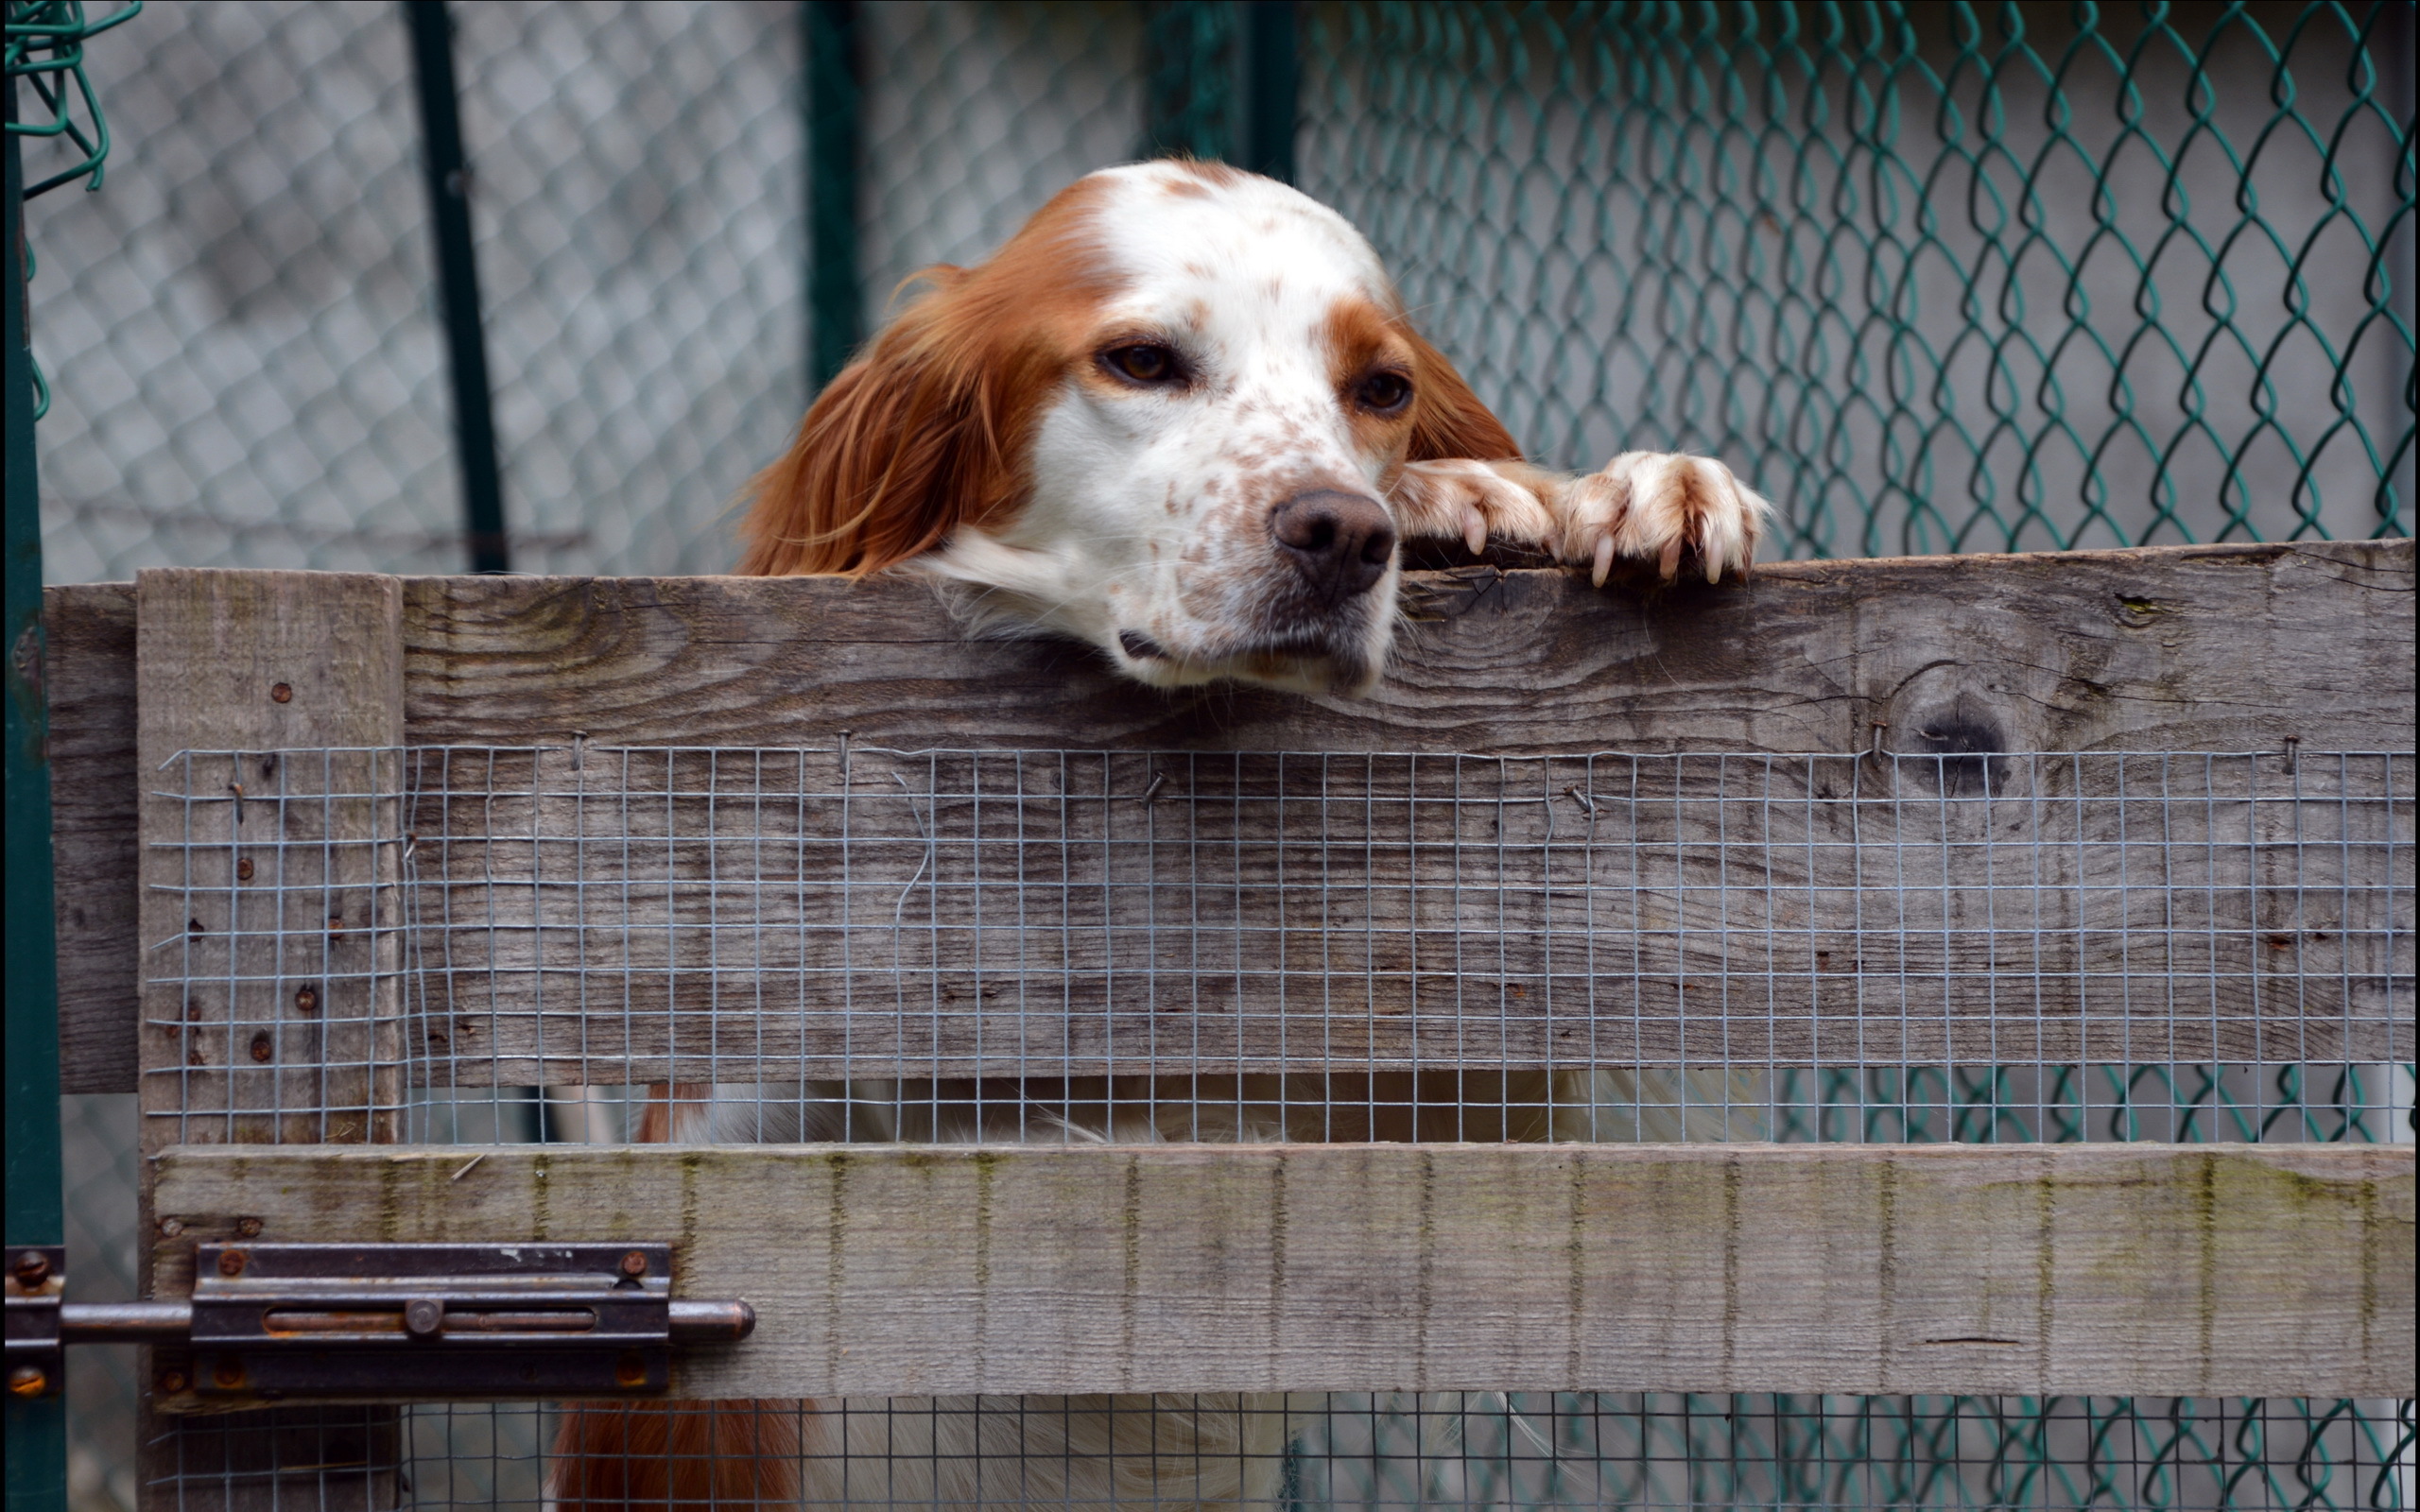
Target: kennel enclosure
<point>2117,901</point>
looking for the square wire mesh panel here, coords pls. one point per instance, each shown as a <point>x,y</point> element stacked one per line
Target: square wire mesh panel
<point>1061,944</point>
<point>1353,1451</point>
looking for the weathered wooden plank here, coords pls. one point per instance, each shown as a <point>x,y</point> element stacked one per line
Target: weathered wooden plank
<point>2120,1269</point>
<point>2166,648</point>
<point>2178,648</point>
<point>269,938</point>
<point>634,916</point>
<point>89,673</point>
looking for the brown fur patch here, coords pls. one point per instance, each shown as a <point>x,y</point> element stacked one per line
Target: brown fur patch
<point>1448,420</point>
<point>676,1456</point>
<point>927,430</point>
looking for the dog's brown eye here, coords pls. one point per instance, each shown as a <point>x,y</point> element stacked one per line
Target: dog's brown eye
<point>1384,391</point>
<point>1146,362</point>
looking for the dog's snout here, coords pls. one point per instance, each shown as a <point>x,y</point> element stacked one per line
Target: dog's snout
<point>1339,541</point>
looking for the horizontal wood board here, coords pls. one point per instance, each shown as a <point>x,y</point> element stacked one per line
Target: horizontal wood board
<point>2184,648</point>
<point>2104,1269</point>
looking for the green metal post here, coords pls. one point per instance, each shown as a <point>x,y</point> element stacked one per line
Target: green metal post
<point>835,95</point>
<point>1273,88</point>
<point>458,274</point>
<point>1189,74</point>
<point>37,1429</point>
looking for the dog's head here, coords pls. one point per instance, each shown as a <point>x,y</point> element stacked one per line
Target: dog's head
<point>1164,418</point>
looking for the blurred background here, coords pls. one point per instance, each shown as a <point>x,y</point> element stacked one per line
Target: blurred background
<point>1972,277</point>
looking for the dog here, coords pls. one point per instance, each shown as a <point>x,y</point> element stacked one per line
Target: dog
<point>1181,416</point>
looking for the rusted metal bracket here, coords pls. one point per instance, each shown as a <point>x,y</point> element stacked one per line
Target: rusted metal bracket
<point>267,1321</point>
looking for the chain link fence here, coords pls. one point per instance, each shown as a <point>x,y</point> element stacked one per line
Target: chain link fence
<point>1935,278</point>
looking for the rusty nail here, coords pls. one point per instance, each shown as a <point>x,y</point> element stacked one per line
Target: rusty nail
<point>32,1269</point>
<point>27,1381</point>
<point>335,923</point>
<point>173,1382</point>
<point>262,1049</point>
<point>280,693</point>
<point>466,1169</point>
<point>306,999</point>
<point>249,1227</point>
<point>228,1372</point>
<point>170,1228</point>
<point>231,1262</point>
<point>2292,742</point>
<point>634,1263</point>
<point>1159,780</point>
<point>630,1370</point>
<point>244,870</point>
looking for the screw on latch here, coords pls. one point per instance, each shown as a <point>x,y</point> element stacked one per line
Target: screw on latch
<point>631,1369</point>
<point>28,1381</point>
<point>634,1263</point>
<point>231,1262</point>
<point>173,1381</point>
<point>249,1227</point>
<point>425,1316</point>
<point>281,693</point>
<point>228,1374</point>
<point>32,1269</point>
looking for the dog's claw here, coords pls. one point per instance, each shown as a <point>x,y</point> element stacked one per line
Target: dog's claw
<point>1604,562</point>
<point>1670,565</point>
<point>1474,529</point>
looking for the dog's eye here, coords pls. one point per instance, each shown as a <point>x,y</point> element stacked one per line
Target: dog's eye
<point>1383,391</point>
<point>1145,362</point>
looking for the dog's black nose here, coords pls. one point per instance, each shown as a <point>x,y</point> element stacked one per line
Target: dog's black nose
<point>1339,541</point>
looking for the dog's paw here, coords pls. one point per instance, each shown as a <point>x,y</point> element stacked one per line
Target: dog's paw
<point>1659,507</point>
<point>1473,501</point>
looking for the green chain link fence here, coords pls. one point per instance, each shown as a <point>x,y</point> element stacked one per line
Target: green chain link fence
<point>1936,277</point>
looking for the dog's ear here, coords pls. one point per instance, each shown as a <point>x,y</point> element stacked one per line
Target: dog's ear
<point>1450,422</point>
<point>905,445</point>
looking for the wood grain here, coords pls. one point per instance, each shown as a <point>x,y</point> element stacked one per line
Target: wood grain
<point>629,916</point>
<point>2116,1269</point>
<point>2233,648</point>
<point>2164,648</point>
<point>90,672</point>
<point>290,1043</point>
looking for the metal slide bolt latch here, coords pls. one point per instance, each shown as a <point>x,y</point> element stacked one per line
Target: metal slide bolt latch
<point>459,1321</point>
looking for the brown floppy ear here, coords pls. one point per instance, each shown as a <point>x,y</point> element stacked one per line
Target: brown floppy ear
<point>898,450</point>
<point>1450,422</point>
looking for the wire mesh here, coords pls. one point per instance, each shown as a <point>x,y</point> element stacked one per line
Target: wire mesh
<point>1520,1450</point>
<point>244,327</point>
<point>861,943</point>
<point>1024,944</point>
<point>1934,278</point>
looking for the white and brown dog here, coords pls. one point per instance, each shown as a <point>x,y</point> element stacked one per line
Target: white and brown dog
<point>1182,417</point>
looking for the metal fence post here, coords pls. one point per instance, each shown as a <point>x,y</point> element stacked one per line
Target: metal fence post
<point>37,1435</point>
<point>835,95</point>
<point>1273,86</point>
<point>1188,79</point>
<point>457,272</point>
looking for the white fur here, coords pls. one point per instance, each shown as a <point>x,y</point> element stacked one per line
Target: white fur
<point>1148,510</point>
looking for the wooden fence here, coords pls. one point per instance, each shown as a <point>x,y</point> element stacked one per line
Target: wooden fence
<point>2267,1269</point>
